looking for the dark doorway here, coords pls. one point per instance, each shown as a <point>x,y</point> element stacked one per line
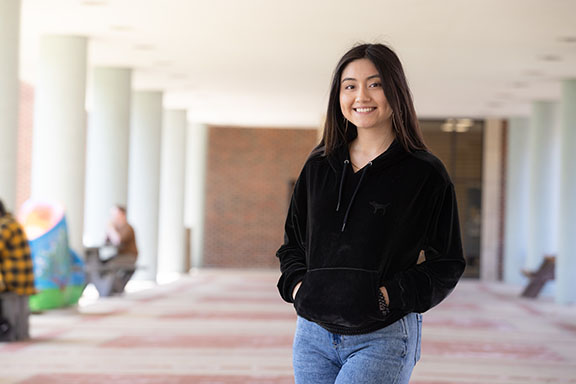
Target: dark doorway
<point>459,144</point>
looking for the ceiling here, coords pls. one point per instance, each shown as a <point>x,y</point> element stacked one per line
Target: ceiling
<point>269,62</point>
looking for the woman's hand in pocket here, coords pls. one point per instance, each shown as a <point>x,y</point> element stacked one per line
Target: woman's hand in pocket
<point>296,288</point>
<point>385,293</point>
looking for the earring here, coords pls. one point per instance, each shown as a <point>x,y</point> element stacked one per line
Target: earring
<point>345,125</point>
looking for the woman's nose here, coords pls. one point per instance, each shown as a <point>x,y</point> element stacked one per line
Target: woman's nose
<point>362,94</point>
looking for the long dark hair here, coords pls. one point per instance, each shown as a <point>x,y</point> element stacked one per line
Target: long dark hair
<point>337,131</point>
<point>2,209</point>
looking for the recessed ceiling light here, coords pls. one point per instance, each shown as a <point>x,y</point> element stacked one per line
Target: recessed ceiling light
<point>94,3</point>
<point>447,127</point>
<point>462,128</point>
<point>456,125</point>
<point>567,39</point>
<point>463,125</point>
<point>144,47</point>
<point>533,73</point>
<point>120,28</point>
<point>519,84</point>
<point>504,95</point>
<point>551,57</point>
<point>494,104</point>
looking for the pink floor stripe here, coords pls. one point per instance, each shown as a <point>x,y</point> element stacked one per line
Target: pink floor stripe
<point>468,323</point>
<point>231,316</point>
<point>428,322</point>
<point>240,300</point>
<point>451,306</point>
<point>200,341</point>
<point>567,327</point>
<point>490,350</point>
<point>461,349</point>
<point>152,379</point>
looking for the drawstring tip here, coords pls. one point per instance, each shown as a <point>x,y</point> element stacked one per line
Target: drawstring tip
<point>338,207</point>
<point>343,226</point>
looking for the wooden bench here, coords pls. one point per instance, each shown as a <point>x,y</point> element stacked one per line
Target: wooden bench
<point>539,278</point>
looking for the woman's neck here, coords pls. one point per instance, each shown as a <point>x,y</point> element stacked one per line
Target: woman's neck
<point>372,142</point>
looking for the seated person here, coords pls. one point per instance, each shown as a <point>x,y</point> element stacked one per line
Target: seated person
<point>122,261</point>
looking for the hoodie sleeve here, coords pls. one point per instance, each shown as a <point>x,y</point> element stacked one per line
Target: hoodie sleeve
<point>425,285</point>
<point>292,253</point>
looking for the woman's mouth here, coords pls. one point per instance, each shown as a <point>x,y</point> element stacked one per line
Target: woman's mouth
<point>364,109</point>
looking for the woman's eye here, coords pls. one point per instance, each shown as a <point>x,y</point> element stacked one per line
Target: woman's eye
<point>375,85</point>
<point>349,86</point>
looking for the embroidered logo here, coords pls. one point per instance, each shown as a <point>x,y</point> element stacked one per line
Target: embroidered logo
<point>379,207</point>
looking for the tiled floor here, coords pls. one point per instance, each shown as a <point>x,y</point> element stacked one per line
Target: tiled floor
<point>230,326</point>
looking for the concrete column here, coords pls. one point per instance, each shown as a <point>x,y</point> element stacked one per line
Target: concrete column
<point>543,199</point>
<point>172,185</point>
<point>144,178</point>
<point>491,195</point>
<point>9,99</point>
<point>107,149</point>
<point>566,258</point>
<point>59,143</point>
<point>197,153</point>
<point>517,187</point>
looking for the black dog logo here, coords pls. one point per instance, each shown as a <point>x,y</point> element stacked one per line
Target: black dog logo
<point>379,207</point>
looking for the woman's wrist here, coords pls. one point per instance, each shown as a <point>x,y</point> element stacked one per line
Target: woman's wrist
<point>385,294</point>
<point>296,288</point>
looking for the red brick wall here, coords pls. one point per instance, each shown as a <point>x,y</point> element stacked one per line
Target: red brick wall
<point>247,192</point>
<point>25,129</point>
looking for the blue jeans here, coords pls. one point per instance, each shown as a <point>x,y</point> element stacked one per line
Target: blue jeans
<point>385,356</point>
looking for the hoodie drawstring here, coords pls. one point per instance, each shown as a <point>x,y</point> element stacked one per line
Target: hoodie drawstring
<point>346,162</point>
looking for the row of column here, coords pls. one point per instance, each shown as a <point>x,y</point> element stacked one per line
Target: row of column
<point>541,192</point>
<point>133,153</point>
<point>9,96</point>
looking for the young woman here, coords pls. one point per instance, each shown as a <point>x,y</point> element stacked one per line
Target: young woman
<point>372,237</point>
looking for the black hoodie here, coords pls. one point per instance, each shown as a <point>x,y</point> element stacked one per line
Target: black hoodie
<point>347,234</point>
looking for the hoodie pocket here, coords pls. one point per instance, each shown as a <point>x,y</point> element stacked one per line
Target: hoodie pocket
<point>340,296</point>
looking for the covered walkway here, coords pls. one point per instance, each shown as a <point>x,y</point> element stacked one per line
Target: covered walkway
<point>230,326</point>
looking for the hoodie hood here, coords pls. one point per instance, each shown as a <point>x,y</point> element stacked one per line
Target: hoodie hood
<point>389,157</point>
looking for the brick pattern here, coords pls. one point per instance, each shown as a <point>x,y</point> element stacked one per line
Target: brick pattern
<point>26,125</point>
<point>249,171</point>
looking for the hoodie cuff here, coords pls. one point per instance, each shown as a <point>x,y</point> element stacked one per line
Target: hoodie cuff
<point>287,284</point>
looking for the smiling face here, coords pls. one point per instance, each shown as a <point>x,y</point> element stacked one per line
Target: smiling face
<point>362,98</point>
